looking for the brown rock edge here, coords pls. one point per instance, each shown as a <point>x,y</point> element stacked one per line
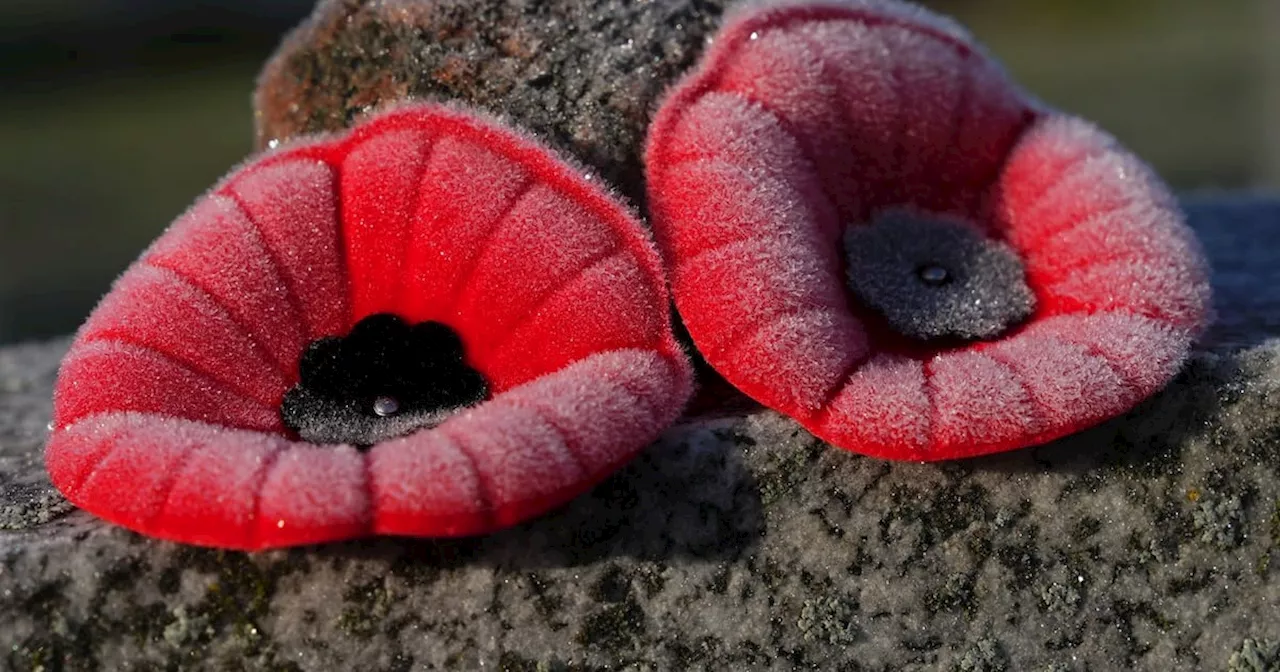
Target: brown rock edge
<point>582,75</point>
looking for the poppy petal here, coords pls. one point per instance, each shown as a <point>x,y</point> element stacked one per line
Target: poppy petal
<point>884,408</point>
<point>167,476</point>
<point>216,248</point>
<point>1067,384</point>
<point>293,205</point>
<point>804,120</point>
<point>313,493</point>
<point>377,218</point>
<point>608,308</point>
<point>977,401</point>
<point>168,405</point>
<point>107,375</point>
<point>452,221</point>
<point>128,316</point>
<point>544,242</point>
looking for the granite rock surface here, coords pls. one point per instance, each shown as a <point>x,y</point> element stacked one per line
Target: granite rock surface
<point>738,542</point>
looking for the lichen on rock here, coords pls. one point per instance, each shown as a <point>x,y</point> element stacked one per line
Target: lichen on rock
<point>1255,656</point>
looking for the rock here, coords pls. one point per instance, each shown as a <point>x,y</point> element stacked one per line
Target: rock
<point>584,75</point>
<point>740,542</point>
<point>26,498</point>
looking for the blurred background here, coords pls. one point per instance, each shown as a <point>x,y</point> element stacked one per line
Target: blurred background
<point>117,114</point>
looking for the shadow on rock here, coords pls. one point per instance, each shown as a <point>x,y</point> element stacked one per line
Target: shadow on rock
<point>1150,439</point>
<point>687,496</point>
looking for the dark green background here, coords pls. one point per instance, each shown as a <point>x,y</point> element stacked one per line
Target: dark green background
<point>116,116</point>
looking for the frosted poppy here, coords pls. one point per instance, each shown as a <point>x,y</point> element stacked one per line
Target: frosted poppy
<point>870,228</point>
<point>428,326</point>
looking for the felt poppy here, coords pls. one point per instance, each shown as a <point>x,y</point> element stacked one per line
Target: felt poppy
<point>870,228</point>
<point>429,326</point>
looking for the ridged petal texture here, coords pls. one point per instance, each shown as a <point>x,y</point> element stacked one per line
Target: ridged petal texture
<point>805,118</point>
<point>166,410</point>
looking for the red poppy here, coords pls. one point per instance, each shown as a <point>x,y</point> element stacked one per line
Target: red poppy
<point>872,229</point>
<point>428,268</point>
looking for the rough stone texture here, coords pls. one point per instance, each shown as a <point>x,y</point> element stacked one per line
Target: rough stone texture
<point>584,75</point>
<point>26,498</point>
<point>740,542</point>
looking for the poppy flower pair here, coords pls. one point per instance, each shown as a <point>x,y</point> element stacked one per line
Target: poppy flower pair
<point>434,326</point>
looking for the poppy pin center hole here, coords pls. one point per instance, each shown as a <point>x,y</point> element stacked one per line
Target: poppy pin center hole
<point>385,406</point>
<point>384,379</point>
<point>934,275</point>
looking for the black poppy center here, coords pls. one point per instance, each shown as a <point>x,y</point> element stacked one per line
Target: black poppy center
<point>936,278</point>
<point>384,379</point>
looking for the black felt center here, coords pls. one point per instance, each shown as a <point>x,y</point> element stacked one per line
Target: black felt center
<point>384,379</point>
<point>937,278</point>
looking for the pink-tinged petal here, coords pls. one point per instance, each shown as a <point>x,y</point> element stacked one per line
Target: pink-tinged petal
<point>784,77</point>
<point>1146,233</point>
<point>216,248</point>
<point>894,13</point>
<point>1049,148</point>
<point>312,494</point>
<point>294,206</point>
<point>796,360</point>
<point>726,292</point>
<point>1063,172</point>
<point>608,406</point>
<point>544,242</point>
<point>739,173</point>
<point>108,376</point>
<point>883,409</point>
<point>1146,353</point>
<point>167,477</point>
<point>75,451</point>
<point>213,498</point>
<point>737,207</point>
<point>1071,388</point>
<point>381,181</point>
<point>466,191</point>
<point>131,483</point>
<point>535,447</point>
<point>425,485</point>
<point>979,405</point>
<point>226,352</point>
<point>859,65</point>
<point>1169,293</point>
<point>929,80</point>
<point>521,461</point>
<point>878,100</point>
<point>993,116</point>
